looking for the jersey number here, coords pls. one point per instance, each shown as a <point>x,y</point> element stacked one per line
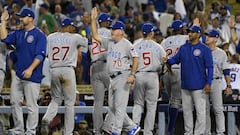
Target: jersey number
<point>233,77</point>
<point>96,48</point>
<point>57,50</point>
<point>169,51</point>
<point>146,58</point>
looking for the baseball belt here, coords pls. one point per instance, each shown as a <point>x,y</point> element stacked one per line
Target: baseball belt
<point>112,76</point>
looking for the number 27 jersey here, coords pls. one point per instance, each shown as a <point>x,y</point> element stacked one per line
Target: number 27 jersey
<point>62,48</point>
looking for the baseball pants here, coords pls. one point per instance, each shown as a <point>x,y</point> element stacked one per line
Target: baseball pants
<point>146,90</point>
<point>2,76</point>
<point>63,87</point>
<point>29,90</point>
<point>172,83</point>
<point>197,98</point>
<point>100,83</point>
<point>217,102</point>
<point>118,99</point>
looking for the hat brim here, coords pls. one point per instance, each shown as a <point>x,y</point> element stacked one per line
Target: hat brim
<point>18,14</point>
<point>209,35</point>
<point>71,25</point>
<point>191,30</point>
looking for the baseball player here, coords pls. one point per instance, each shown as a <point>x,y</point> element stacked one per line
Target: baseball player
<point>235,72</point>
<point>221,66</point>
<point>3,54</point>
<point>172,81</point>
<point>146,90</point>
<point>120,54</point>
<point>62,53</point>
<point>30,44</point>
<point>99,76</point>
<point>196,78</point>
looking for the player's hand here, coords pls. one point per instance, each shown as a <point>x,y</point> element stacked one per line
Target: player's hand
<point>131,79</point>
<point>207,88</point>
<point>228,91</point>
<point>5,15</point>
<point>196,22</point>
<point>27,73</point>
<point>94,13</point>
<point>231,22</point>
<point>164,59</point>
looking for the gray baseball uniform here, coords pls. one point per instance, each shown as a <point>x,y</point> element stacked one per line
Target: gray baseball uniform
<point>147,90</point>
<point>3,53</point>
<point>99,78</point>
<point>220,63</point>
<point>235,76</point>
<point>172,82</point>
<point>62,53</point>
<point>119,58</point>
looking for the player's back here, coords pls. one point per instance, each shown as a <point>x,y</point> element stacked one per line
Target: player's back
<point>150,55</point>
<point>235,76</point>
<point>97,52</point>
<point>173,43</point>
<point>62,48</point>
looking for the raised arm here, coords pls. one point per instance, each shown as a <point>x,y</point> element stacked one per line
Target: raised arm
<point>95,35</point>
<point>234,37</point>
<point>3,29</point>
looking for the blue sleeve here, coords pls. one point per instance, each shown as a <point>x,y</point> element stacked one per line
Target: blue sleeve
<point>238,47</point>
<point>11,38</point>
<point>226,72</point>
<point>210,75</point>
<point>176,58</point>
<point>40,57</point>
<point>41,44</point>
<point>13,57</point>
<point>209,65</point>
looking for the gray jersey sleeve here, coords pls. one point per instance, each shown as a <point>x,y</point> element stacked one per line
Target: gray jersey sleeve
<point>219,61</point>
<point>82,41</point>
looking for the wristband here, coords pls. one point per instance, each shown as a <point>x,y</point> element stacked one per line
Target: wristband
<point>132,73</point>
<point>229,86</point>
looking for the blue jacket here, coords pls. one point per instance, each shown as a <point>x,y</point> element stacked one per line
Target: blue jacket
<point>196,65</point>
<point>28,46</point>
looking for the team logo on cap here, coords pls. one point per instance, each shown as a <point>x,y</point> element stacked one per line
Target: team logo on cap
<point>30,39</point>
<point>196,52</point>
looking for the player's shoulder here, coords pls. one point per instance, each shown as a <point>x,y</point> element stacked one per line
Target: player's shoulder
<point>39,31</point>
<point>104,32</point>
<point>126,41</point>
<point>53,34</point>
<point>154,43</point>
<point>220,50</point>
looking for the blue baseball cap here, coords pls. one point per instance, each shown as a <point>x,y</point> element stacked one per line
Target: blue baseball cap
<point>177,24</point>
<point>26,12</point>
<point>104,17</point>
<point>212,33</point>
<point>195,28</point>
<point>147,28</point>
<point>224,7</point>
<point>118,25</point>
<point>67,22</point>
